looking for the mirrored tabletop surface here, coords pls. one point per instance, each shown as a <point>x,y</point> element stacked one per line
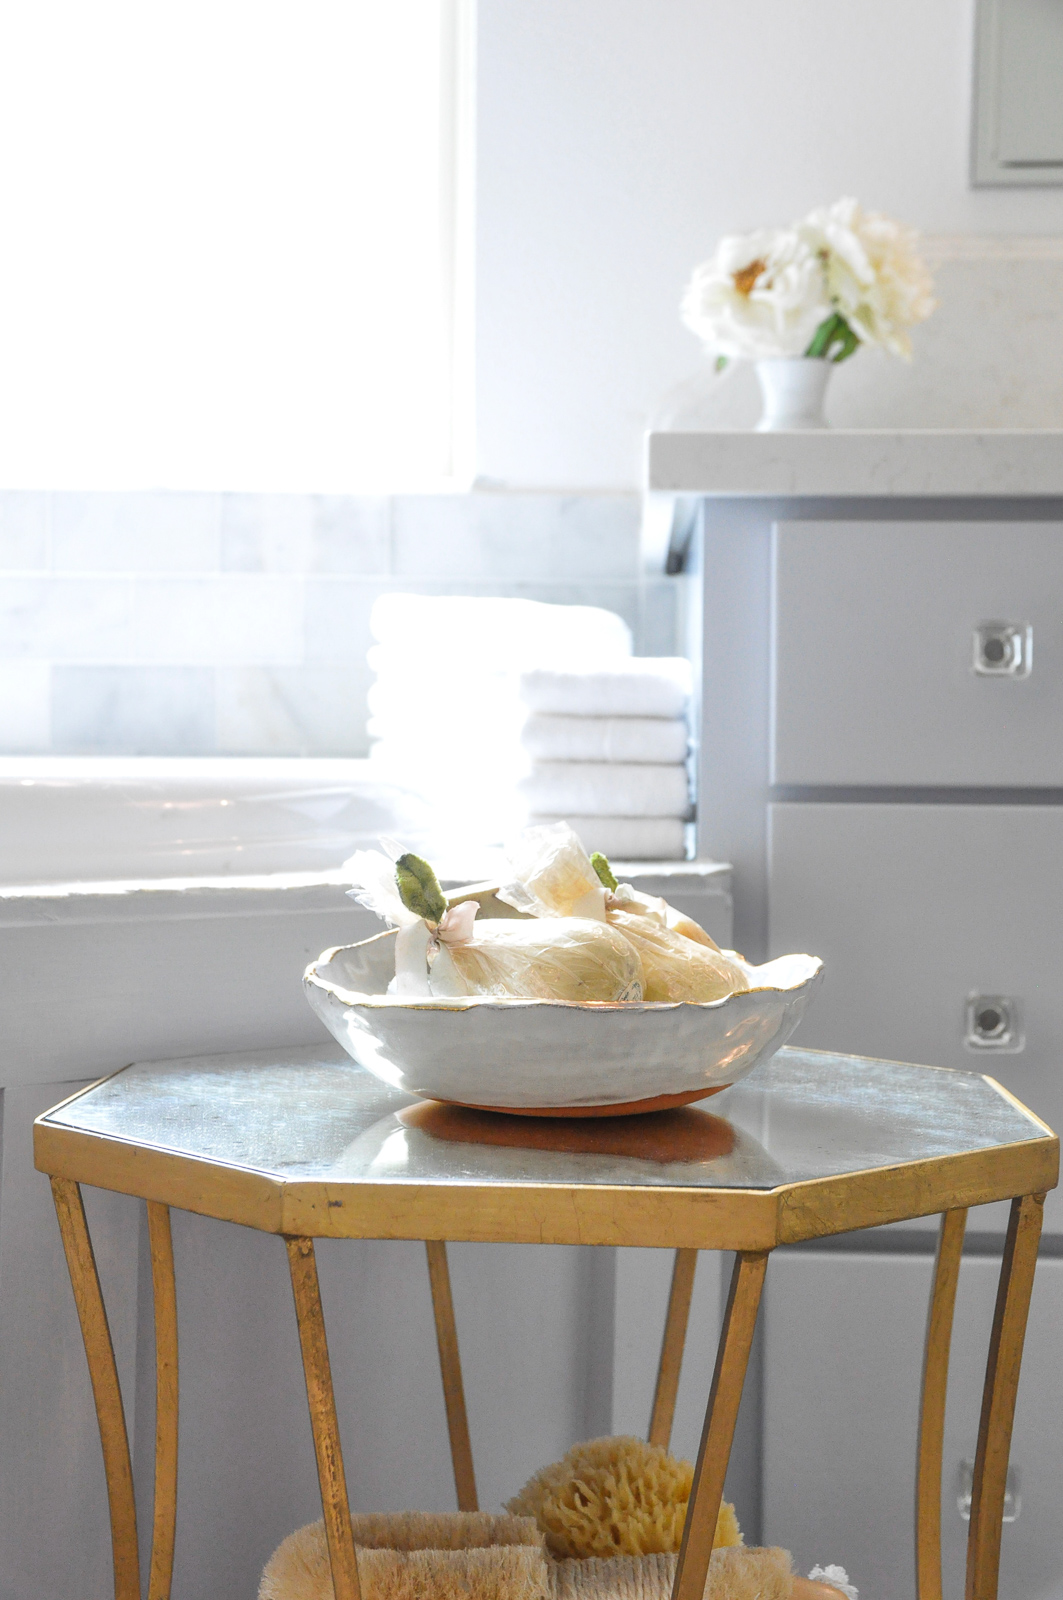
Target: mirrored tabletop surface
<point>313,1114</point>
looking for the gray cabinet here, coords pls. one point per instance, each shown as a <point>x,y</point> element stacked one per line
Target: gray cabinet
<point>914,840</point>
<point>932,920</point>
<point>843,1352</point>
<point>882,761</point>
<point>917,653</point>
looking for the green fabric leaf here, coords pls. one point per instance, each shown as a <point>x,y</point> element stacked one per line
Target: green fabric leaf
<point>419,888</point>
<point>605,872</point>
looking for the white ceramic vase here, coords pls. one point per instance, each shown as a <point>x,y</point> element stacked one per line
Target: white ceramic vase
<point>794,389</point>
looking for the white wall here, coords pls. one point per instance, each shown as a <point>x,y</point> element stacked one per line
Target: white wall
<point>617,139</point>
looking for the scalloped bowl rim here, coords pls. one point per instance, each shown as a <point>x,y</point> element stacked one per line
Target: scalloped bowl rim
<point>811,967</point>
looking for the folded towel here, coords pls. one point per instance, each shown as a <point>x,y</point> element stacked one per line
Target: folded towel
<point>521,632</point>
<point>644,686</point>
<point>640,739</point>
<point>606,789</point>
<point>628,838</point>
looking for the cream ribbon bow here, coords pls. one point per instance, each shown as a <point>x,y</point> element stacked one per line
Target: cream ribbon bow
<point>418,941</point>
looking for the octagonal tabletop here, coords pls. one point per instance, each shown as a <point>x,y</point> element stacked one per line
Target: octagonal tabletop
<point>304,1142</point>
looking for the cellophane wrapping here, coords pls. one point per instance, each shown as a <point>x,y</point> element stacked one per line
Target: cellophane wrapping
<point>550,958</point>
<point>674,967</point>
<point>552,873</point>
<point>546,958</point>
<point>553,876</point>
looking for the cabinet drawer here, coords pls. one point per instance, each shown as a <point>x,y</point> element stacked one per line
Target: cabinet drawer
<point>879,628</point>
<point>843,1351</point>
<point>915,909</point>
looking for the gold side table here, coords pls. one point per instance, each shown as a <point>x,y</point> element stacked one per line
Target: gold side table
<point>304,1144</point>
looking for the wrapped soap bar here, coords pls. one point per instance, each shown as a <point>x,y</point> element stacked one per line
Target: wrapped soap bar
<point>673,966</point>
<point>554,876</point>
<point>649,905</point>
<point>555,958</point>
<point>444,951</point>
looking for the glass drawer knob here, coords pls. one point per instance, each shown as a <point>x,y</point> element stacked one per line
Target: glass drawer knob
<point>965,1492</point>
<point>1003,649</point>
<point>992,1023</point>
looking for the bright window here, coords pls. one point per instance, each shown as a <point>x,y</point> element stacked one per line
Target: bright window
<point>228,241</point>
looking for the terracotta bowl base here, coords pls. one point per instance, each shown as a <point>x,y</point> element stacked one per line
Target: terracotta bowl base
<point>627,1108</point>
<point>686,1133</point>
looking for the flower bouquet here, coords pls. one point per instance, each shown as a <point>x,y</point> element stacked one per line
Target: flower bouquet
<point>798,300</point>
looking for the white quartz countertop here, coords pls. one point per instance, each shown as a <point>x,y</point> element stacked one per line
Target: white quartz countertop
<point>851,462</point>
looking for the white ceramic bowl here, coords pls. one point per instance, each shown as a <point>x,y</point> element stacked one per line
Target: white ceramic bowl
<point>553,1058</point>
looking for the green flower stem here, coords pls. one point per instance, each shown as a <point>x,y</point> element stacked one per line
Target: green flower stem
<point>834,340</point>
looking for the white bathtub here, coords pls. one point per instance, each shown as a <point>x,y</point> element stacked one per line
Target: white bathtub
<point>76,820</point>
<point>163,907</point>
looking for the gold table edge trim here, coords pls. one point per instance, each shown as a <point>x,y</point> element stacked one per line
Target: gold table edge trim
<point>606,1214</point>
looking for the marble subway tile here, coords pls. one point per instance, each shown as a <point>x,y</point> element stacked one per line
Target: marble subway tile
<point>25,706</point>
<point>521,537</point>
<point>246,618</point>
<point>292,711</point>
<point>596,536</point>
<point>23,530</point>
<point>352,533</point>
<point>65,618</point>
<point>337,615</point>
<point>151,532</point>
<point>133,710</point>
<point>266,532</point>
<point>306,533</point>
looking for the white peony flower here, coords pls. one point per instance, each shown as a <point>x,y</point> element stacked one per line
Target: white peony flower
<point>875,277</point>
<point>761,294</point>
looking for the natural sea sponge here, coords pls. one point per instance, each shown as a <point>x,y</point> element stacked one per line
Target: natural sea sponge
<point>411,1555</point>
<point>734,1574</point>
<point>612,1497</point>
<point>477,1556</point>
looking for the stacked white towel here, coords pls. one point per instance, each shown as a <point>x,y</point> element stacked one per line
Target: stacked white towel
<point>608,753</point>
<point>445,708</point>
<point>504,712</point>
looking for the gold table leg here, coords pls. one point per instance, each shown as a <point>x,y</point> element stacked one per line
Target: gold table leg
<point>732,1358</point>
<point>998,1396</point>
<point>932,1408</point>
<point>310,1317</point>
<point>450,1369</point>
<point>164,1296</point>
<point>675,1333</point>
<point>106,1390</point>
